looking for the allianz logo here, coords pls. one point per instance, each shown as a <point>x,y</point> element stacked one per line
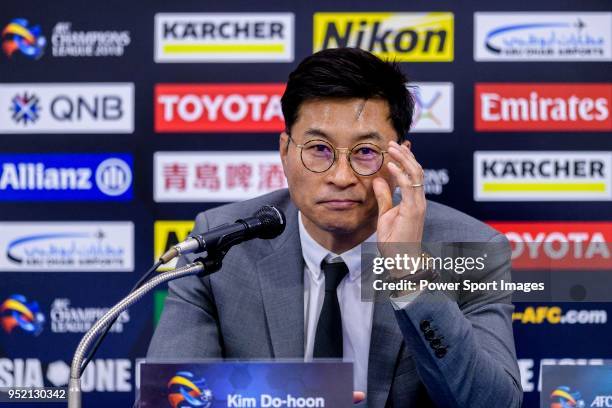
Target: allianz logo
<point>112,176</point>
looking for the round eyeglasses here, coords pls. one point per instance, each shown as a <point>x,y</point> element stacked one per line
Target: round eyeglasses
<point>319,156</point>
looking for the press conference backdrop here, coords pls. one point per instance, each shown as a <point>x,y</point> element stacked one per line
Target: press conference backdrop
<point>119,121</point>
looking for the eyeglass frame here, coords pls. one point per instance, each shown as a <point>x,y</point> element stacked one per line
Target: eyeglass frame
<point>335,149</point>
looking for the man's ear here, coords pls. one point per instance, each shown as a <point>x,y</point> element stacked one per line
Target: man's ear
<point>407,143</point>
<point>282,146</point>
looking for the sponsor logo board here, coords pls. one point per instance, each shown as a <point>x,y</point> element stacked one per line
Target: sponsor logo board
<point>407,37</point>
<point>543,107</point>
<point>542,176</point>
<point>218,108</point>
<point>542,36</point>
<point>66,177</point>
<point>224,37</point>
<point>67,108</point>
<point>67,246</point>
<point>216,176</point>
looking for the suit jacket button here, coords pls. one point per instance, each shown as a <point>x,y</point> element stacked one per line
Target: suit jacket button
<point>430,334</point>
<point>435,343</point>
<point>424,325</point>
<point>440,352</point>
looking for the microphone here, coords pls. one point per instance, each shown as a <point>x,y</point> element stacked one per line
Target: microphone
<point>268,222</point>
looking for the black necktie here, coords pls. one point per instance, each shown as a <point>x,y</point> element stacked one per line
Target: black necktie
<point>328,339</point>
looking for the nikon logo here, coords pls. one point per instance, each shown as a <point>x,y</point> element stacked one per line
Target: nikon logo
<point>415,37</point>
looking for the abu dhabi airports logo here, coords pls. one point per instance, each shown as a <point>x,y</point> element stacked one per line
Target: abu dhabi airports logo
<point>542,36</point>
<point>25,108</point>
<point>19,36</point>
<point>564,397</point>
<point>186,391</point>
<point>67,246</point>
<point>17,311</point>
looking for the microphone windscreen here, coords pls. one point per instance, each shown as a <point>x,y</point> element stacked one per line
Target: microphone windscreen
<point>272,222</point>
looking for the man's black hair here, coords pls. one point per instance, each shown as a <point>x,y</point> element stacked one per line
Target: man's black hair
<point>349,73</point>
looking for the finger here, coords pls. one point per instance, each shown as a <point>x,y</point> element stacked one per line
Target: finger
<point>410,166</point>
<point>408,162</point>
<point>382,192</point>
<point>415,196</point>
<point>358,396</point>
<point>407,152</point>
<point>413,159</point>
<point>402,176</point>
<point>420,191</point>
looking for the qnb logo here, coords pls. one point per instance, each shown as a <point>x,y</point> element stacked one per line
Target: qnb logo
<point>63,108</point>
<point>563,397</point>
<point>602,401</point>
<point>113,177</point>
<point>16,311</point>
<point>67,108</point>
<point>25,108</point>
<point>18,35</point>
<point>187,391</point>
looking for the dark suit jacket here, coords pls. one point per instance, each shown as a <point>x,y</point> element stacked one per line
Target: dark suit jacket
<point>253,308</point>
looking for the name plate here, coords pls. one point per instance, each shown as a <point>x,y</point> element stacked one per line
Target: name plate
<point>246,384</point>
<point>576,386</point>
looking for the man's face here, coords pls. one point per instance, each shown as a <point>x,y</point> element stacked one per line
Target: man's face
<point>338,200</point>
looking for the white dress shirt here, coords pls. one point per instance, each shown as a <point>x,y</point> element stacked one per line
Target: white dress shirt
<point>356,315</point>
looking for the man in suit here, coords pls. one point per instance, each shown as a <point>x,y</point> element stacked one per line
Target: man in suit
<point>299,295</point>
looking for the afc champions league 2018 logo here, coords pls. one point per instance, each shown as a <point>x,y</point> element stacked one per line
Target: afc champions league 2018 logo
<point>16,311</point>
<point>185,390</point>
<point>564,397</point>
<point>18,35</point>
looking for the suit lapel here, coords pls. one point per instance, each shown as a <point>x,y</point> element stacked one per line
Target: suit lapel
<point>385,345</point>
<point>281,279</point>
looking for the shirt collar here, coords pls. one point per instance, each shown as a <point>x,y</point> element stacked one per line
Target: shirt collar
<point>314,253</point>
